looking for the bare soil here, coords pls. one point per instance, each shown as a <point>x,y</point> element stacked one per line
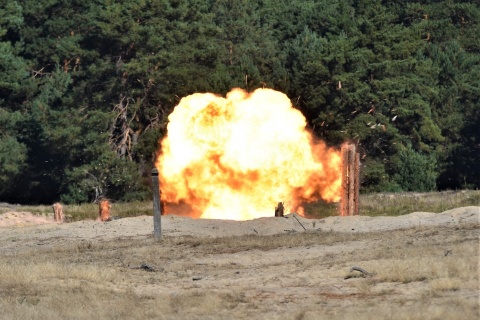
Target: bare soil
<point>418,266</point>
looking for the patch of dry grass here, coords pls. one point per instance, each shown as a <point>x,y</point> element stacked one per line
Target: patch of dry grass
<point>395,204</point>
<point>86,211</point>
<point>265,243</point>
<point>392,204</point>
<point>421,273</point>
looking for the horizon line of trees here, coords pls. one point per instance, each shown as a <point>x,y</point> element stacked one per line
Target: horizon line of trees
<point>86,86</point>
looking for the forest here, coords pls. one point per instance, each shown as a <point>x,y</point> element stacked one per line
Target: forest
<point>86,87</point>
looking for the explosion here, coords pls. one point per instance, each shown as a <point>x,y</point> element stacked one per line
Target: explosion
<point>237,157</point>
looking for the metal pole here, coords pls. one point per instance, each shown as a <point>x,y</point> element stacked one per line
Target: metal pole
<point>157,223</point>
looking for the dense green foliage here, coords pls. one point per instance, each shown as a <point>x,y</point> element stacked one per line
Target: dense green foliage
<point>86,86</point>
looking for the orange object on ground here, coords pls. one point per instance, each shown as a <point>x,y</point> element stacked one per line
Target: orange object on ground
<point>104,210</point>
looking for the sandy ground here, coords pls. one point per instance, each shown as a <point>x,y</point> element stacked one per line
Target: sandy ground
<point>279,282</point>
<point>24,226</point>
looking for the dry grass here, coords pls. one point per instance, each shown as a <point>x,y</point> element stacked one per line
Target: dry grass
<point>393,204</point>
<point>396,204</point>
<point>421,273</point>
<point>85,211</point>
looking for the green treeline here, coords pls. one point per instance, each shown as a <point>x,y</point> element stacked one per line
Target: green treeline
<point>86,86</point>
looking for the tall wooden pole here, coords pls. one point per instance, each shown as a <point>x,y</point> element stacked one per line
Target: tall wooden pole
<point>350,180</point>
<point>344,200</point>
<point>356,172</point>
<point>157,222</point>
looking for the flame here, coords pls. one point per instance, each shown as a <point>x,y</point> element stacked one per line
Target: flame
<point>237,157</point>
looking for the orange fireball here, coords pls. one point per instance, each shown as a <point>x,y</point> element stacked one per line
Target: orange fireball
<point>237,157</point>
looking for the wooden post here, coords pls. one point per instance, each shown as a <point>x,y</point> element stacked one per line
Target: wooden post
<point>344,199</point>
<point>279,210</point>
<point>157,207</point>
<point>356,172</point>
<point>104,210</point>
<point>58,212</point>
<point>350,180</point>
